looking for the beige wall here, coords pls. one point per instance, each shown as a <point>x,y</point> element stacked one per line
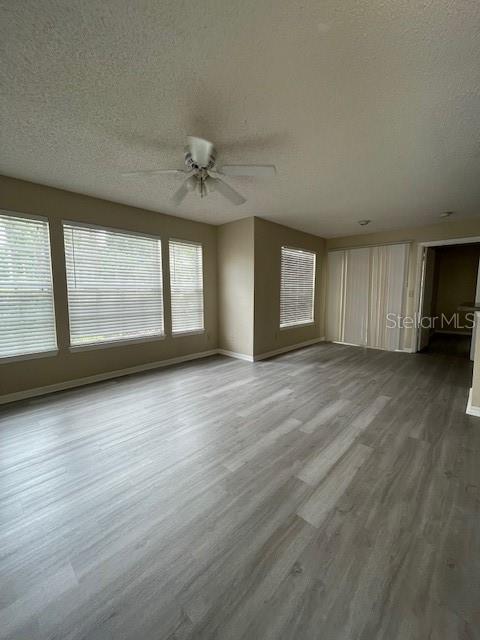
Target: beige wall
<point>269,239</point>
<point>56,205</point>
<point>241,273</point>
<point>241,267</point>
<point>456,269</point>
<point>442,231</point>
<point>235,242</point>
<point>249,286</point>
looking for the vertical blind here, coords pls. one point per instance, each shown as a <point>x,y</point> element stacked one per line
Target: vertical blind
<point>387,294</point>
<point>27,318</point>
<point>114,281</point>
<point>186,286</point>
<point>297,287</point>
<point>356,305</point>
<point>364,286</point>
<point>335,295</point>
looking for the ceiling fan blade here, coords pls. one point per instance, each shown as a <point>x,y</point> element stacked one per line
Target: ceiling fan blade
<point>180,194</point>
<point>215,174</point>
<point>189,185</point>
<point>257,170</point>
<point>152,172</point>
<point>226,190</point>
<point>200,149</point>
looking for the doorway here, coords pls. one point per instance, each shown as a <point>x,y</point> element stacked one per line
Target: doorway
<point>448,294</point>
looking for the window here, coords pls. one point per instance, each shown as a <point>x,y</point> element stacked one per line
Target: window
<point>27,316</point>
<point>297,287</point>
<point>114,281</point>
<point>186,286</point>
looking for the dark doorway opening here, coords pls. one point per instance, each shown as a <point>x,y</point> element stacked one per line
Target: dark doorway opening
<point>450,292</point>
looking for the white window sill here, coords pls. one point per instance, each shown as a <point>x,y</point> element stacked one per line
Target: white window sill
<point>298,325</point>
<point>194,332</point>
<point>114,343</point>
<point>29,356</point>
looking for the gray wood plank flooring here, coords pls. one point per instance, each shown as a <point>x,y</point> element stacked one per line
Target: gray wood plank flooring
<point>332,492</point>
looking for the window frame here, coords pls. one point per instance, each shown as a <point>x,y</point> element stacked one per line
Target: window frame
<point>191,332</point>
<point>34,355</point>
<point>91,346</point>
<point>306,323</point>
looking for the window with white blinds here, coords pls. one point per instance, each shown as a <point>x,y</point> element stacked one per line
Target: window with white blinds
<point>114,281</point>
<point>297,287</point>
<point>186,286</point>
<point>27,316</point>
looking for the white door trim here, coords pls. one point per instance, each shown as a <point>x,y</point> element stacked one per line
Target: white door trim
<point>418,272</point>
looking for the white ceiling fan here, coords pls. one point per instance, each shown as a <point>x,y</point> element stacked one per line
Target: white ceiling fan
<point>202,174</point>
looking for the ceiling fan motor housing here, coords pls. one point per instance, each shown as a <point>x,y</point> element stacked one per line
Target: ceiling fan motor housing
<point>193,166</point>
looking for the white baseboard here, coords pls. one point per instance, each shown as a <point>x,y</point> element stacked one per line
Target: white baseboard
<point>471,409</point>
<point>109,375</point>
<point>350,344</point>
<point>234,354</point>
<point>100,377</point>
<point>291,347</point>
<point>364,346</point>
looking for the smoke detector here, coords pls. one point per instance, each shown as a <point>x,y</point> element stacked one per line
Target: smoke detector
<point>446,214</point>
<point>363,223</point>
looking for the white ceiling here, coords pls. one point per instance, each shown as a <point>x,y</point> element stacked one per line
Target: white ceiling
<point>369,109</point>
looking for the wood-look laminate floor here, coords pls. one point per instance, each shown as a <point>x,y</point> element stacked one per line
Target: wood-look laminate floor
<point>330,493</point>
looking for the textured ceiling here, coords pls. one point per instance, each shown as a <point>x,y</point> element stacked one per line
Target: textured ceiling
<point>369,109</point>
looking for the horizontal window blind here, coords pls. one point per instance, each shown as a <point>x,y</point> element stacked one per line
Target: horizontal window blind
<point>27,316</point>
<point>297,287</point>
<point>186,286</point>
<point>114,281</point>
